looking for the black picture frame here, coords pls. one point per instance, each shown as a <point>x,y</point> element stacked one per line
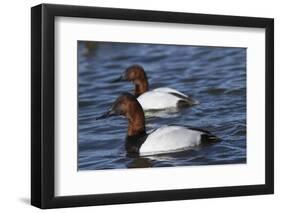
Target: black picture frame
<point>43,102</point>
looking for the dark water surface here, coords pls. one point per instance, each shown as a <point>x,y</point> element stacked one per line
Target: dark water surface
<point>214,76</point>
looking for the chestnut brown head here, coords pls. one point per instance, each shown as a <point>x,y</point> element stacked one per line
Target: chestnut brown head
<point>135,73</point>
<point>128,106</point>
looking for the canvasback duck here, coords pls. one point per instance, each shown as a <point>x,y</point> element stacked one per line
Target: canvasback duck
<point>156,99</point>
<point>162,140</point>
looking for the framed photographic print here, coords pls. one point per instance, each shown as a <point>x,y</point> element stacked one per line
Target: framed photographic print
<point>140,106</point>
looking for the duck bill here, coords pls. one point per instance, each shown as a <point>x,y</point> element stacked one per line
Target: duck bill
<point>119,79</point>
<point>105,115</point>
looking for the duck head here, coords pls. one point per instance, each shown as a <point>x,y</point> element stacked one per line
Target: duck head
<point>128,106</point>
<point>137,76</point>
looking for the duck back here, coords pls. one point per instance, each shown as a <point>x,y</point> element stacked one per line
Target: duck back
<point>170,139</point>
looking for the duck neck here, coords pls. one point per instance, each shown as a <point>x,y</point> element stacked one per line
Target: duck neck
<point>141,86</point>
<point>136,121</point>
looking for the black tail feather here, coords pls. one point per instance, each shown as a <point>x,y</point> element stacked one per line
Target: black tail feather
<point>209,138</point>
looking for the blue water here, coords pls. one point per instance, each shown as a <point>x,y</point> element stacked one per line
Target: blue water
<point>216,76</point>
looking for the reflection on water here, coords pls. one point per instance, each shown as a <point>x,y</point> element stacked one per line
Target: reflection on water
<point>214,76</point>
<point>140,162</point>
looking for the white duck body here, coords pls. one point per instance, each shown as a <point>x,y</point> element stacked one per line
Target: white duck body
<point>162,98</point>
<point>170,139</point>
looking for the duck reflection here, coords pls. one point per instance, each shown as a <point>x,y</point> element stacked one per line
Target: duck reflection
<point>140,162</point>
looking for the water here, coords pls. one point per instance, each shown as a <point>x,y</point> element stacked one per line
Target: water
<point>215,76</point>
